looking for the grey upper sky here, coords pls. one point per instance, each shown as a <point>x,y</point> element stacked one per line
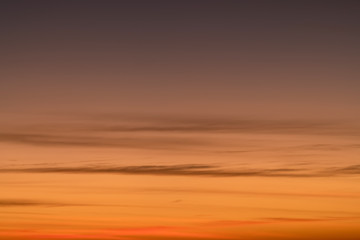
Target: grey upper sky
<point>273,59</point>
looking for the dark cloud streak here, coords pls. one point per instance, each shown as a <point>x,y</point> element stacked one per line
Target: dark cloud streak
<point>170,133</point>
<point>93,141</point>
<point>172,170</point>
<point>192,170</point>
<point>31,203</point>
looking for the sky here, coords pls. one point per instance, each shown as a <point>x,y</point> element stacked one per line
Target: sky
<point>181,120</point>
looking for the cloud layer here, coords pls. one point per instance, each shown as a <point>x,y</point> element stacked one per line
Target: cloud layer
<point>44,139</point>
<point>223,125</point>
<point>31,203</point>
<point>192,170</point>
<point>164,133</point>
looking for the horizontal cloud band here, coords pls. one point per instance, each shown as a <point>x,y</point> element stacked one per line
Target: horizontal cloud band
<point>191,170</point>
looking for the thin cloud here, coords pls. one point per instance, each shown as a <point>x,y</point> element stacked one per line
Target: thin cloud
<point>191,170</point>
<point>207,125</point>
<point>252,193</point>
<point>169,170</point>
<point>170,133</point>
<point>92,141</point>
<point>17,203</point>
<point>324,147</point>
<point>353,169</point>
<point>31,203</point>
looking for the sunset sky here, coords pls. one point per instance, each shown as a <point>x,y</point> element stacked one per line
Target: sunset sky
<point>179,120</point>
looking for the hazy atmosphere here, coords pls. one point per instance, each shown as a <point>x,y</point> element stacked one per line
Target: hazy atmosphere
<point>179,120</point>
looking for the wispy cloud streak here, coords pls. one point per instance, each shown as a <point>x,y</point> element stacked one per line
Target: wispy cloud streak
<point>95,141</point>
<point>31,203</point>
<point>253,193</point>
<point>205,125</point>
<point>168,133</point>
<point>191,170</point>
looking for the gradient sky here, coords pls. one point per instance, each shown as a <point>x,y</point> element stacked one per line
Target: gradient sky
<point>149,119</point>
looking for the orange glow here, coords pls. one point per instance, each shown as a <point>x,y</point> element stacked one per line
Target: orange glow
<point>179,120</point>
